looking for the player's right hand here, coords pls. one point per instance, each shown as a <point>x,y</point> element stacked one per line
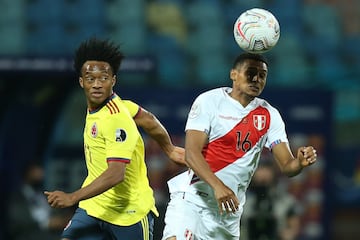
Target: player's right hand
<point>59,199</point>
<point>227,200</point>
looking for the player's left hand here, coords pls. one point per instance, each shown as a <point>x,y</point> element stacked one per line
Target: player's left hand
<point>59,199</point>
<point>177,155</point>
<point>307,156</point>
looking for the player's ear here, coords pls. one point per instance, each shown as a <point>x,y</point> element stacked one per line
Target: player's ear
<point>233,74</point>
<point>81,82</point>
<point>114,80</point>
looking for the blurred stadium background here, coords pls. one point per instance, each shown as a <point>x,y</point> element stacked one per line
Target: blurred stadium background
<point>176,49</point>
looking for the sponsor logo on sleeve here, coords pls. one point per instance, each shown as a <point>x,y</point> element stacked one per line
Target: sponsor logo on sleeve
<point>120,135</point>
<point>194,111</point>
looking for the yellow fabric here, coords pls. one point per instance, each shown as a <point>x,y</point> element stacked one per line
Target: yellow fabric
<point>132,107</point>
<point>110,134</point>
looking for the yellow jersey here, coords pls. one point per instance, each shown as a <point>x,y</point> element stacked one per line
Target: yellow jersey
<point>111,134</point>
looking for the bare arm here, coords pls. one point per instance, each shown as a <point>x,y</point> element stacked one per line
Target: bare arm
<point>194,143</point>
<point>153,127</point>
<point>290,165</point>
<point>113,175</point>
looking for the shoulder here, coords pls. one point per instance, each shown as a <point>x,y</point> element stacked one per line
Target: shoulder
<point>275,117</point>
<point>112,108</point>
<point>132,107</point>
<point>265,104</point>
<point>215,92</point>
<point>213,95</point>
<point>130,104</point>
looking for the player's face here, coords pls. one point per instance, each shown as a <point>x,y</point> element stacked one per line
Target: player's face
<point>249,78</point>
<point>97,80</point>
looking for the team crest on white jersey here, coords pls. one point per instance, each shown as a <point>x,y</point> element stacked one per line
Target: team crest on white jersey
<point>94,130</point>
<point>259,122</point>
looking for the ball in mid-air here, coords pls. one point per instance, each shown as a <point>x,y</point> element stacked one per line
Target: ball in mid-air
<point>256,30</point>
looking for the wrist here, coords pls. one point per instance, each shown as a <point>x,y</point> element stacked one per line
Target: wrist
<point>168,149</point>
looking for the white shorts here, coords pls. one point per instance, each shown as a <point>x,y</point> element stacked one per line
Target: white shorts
<point>188,221</point>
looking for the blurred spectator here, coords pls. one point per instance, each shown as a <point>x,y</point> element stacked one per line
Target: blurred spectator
<point>269,212</point>
<point>30,216</point>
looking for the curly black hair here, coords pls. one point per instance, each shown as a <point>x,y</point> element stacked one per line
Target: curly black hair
<point>95,49</point>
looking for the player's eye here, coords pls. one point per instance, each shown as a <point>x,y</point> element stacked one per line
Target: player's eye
<point>251,74</point>
<point>89,79</point>
<point>92,79</point>
<point>262,75</point>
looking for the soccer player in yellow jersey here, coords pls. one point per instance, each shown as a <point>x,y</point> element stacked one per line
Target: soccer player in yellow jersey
<point>115,200</point>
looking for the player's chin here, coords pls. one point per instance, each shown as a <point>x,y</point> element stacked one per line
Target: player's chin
<point>97,100</point>
<point>253,93</point>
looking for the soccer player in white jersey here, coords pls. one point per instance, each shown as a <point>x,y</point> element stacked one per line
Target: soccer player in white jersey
<point>226,130</point>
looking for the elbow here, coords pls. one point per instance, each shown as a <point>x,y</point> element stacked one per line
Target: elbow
<point>118,179</point>
<point>189,158</point>
<point>115,179</point>
<point>291,173</point>
<point>115,173</point>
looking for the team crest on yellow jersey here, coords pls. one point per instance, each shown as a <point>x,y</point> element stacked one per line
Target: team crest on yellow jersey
<point>94,130</point>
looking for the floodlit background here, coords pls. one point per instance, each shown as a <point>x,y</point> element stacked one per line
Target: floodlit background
<point>176,49</point>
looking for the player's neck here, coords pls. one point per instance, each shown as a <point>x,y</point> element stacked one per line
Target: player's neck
<point>243,99</point>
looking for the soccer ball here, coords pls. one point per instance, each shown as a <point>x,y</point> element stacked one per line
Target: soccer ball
<point>256,30</point>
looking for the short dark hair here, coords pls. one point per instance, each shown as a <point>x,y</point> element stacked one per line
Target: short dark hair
<point>95,49</point>
<point>245,56</point>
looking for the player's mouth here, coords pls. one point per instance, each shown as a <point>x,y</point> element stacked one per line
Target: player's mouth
<point>96,94</point>
<point>254,88</point>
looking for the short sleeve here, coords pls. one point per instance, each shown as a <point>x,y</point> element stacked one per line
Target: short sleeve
<point>121,136</point>
<point>132,107</point>
<point>277,132</point>
<point>199,117</point>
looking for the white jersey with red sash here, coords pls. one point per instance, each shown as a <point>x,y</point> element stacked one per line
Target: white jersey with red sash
<point>237,136</point>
